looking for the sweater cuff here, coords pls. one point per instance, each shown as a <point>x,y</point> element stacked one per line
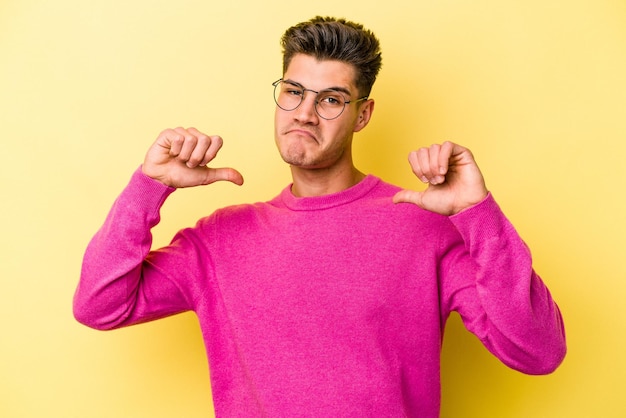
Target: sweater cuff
<point>147,191</point>
<point>483,220</point>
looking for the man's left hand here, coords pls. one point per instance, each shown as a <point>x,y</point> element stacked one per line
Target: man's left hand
<point>453,177</point>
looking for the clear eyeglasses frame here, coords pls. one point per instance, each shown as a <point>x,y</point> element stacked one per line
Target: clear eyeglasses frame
<point>329,103</point>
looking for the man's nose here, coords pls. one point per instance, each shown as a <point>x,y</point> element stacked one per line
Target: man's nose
<point>306,111</point>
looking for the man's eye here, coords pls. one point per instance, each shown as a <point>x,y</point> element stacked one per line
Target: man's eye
<point>294,92</point>
<point>332,100</point>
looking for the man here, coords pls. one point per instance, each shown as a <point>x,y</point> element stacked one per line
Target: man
<point>329,300</point>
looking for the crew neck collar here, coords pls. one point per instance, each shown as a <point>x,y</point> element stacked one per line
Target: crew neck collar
<point>330,200</point>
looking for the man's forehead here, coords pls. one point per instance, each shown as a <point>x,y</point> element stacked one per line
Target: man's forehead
<point>320,74</point>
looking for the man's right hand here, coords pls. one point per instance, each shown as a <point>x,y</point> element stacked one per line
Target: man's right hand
<point>179,157</point>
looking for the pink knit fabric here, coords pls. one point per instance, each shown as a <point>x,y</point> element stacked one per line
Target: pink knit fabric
<point>329,306</point>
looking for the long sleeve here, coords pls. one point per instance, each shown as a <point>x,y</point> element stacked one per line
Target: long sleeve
<point>350,286</point>
<point>118,286</point>
<point>499,296</point>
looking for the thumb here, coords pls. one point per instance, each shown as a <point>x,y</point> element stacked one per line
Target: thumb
<point>408,196</point>
<point>222,174</point>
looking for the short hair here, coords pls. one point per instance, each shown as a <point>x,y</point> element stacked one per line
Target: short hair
<point>329,38</point>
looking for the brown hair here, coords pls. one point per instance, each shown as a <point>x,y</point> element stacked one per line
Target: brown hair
<point>329,38</point>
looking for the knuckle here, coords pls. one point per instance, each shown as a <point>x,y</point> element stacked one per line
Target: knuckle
<point>191,139</point>
<point>217,140</point>
<point>193,160</point>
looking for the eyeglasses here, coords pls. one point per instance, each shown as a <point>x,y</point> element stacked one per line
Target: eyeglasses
<point>329,103</point>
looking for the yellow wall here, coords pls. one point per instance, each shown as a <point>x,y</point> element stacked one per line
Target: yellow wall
<point>536,88</point>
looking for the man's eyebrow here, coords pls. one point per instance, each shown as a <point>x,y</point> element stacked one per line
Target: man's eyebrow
<point>336,88</point>
<point>341,90</point>
<point>293,83</point>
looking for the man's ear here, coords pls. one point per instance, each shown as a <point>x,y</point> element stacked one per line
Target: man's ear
<point>365,114</point>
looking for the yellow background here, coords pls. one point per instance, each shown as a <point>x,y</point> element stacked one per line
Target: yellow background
<point>536,88</point>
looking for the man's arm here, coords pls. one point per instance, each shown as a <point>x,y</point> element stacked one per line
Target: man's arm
<point>499,296</point>
<point>120,283</point>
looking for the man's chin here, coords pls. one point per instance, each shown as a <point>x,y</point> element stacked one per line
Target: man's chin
<point>294,154</point>
<point>299,162</point>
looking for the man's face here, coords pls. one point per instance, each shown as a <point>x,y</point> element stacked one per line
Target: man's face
<point>306,140</point>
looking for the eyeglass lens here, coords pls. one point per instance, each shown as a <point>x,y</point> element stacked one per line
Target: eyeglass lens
<point>329,104</point>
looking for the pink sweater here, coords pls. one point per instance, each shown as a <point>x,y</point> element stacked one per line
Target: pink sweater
<point>329,306</point>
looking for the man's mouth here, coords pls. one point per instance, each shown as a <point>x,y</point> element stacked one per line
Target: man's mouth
<point>302,133</point>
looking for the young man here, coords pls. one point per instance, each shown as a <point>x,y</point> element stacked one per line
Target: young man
<point>330,299</point>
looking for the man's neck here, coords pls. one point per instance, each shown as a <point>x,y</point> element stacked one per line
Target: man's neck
<point>319,182</point>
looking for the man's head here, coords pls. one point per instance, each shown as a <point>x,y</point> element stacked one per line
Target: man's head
<point>327,38</point>
<point>322,99</point>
